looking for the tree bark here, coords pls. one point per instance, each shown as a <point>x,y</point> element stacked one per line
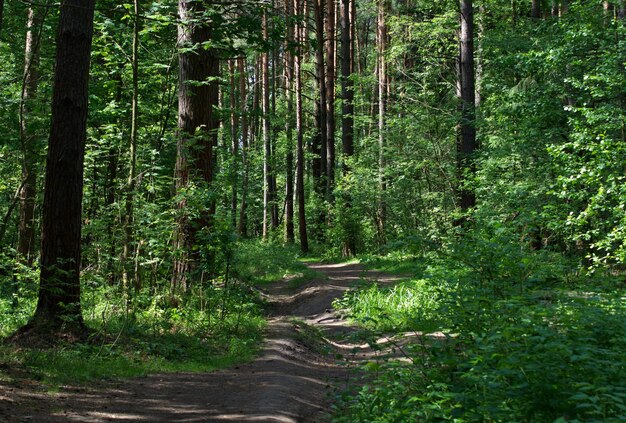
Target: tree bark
<point>466,144</point>
<point>30,83</point>
<point>58,305</point>
<point>197,134</point>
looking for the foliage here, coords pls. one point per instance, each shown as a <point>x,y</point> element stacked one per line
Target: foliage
<point>521,344</point>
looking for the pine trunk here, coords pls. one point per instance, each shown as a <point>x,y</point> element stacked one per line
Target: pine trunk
<point>58,305</point>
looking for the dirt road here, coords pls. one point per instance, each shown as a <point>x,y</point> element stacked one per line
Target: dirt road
<point>293,379</point>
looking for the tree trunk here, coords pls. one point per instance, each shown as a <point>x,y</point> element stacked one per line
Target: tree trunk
<point>1,15</point>
<point>321,110</point>
<point>234,123</point>
<point>127,250</point>
<point>301,34</point>
<point>58,305</point>
<point>197,134</point>
<point>535,9</point>
<point>267,142</point>
<point>466,144</point>
<point>30,83</point>
<point>330,99</point>
<point>289,65</point>
<point>242,228</point>
<point>382,103</point>
<point>347,111</point>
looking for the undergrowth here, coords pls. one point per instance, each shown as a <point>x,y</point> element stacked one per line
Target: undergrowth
<point>528,338</point>
<point>219,323</point>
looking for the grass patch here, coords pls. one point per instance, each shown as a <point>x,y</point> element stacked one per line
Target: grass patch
<point>522,345</point>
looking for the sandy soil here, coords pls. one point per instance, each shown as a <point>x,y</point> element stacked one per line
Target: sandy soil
<point>294,378</point>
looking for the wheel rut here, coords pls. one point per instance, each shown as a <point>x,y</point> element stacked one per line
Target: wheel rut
<point>292,380</point>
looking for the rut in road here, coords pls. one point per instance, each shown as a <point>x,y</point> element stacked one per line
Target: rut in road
<point>291,381</point>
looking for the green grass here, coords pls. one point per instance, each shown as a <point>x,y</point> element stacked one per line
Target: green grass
<point>521,345</point>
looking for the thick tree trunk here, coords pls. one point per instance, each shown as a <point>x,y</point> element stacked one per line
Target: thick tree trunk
<point>58,304</point>
<point>466,144</point>
<point>30,83</point>
<point>301,34</point>
<point>197,133</point>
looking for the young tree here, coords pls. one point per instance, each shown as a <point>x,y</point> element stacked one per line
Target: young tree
<point>381,39</point>
<point>30,83</point>
<point>58,306</point>
<point>466,143</point>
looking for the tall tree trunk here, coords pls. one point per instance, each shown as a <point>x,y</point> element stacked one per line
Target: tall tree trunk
<point>234,124</point>
<point>382,103</point>
<point>321,110</point>
<point>267,142</point>
<point>242,227</point>
<point>466,144</point>
<point>58,305</point>
<point>300,34</point>
<point>289,83</point>
<point>197,134</point>
<point>564,7</point>
<point>127,250</point>
<point>30,83</point>
<point>330,99</point>
<point>347,111</point>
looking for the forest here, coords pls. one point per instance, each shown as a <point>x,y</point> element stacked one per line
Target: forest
<point>454,170</point>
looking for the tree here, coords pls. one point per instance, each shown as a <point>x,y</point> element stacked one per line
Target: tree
<point>58,306</point>
<point>347,109</point>
<point>198,94</point>
<point>300,193</point>
<point>30,83</point>
<point>330,99</point>
<point>289,85</point>
<point>381,40</point>
<point>466,143</point>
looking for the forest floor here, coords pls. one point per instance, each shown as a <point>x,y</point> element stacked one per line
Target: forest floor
<point>306,359</point>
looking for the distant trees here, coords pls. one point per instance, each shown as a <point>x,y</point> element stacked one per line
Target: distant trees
<point>182,161</point>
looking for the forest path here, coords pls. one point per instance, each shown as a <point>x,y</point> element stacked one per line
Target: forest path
<point>291,381</point>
